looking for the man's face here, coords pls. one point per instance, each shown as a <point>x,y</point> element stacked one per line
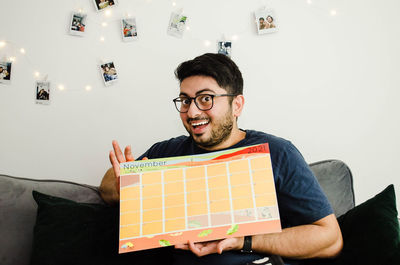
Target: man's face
<point>211,127</point>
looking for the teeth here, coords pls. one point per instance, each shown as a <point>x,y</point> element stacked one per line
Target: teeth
<point>200,123</point>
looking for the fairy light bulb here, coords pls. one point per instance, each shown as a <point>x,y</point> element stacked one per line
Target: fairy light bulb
<point>102,39</point>
<point>22,50</point>
<point>173,3</point>
<point>207,43</point>
<point>309,2</point>
<point>333,12</point>
<point>104,24</point>
<point>2,44</point>
<point>11,59</point>
<point>88,88</point>
<point>61,87</point>
<point>108,13</point>
<point>235,37</point>
<point>36,74</point>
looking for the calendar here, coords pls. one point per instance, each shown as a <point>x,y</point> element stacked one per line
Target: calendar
<point>203,197</point>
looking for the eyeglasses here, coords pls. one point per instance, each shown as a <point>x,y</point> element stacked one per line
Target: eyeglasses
<point>202,101</point>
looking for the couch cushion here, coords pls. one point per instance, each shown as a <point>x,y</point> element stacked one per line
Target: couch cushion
<point>67,232</point>
<point>18,212</point>
<point>336,180</point>
<point>371,233</point>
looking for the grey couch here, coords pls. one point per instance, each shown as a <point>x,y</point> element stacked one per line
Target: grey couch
<point>18,209</point>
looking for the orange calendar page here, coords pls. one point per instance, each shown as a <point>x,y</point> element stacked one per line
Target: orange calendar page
<point>199,198</point>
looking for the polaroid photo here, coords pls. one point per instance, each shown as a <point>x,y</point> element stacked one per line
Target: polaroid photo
<point>129,29</point>
<point>100,5</point>
<point>177,25</point>
<point>42,92</point>
<point>77,25</point>
<point>266,21</point>
<point>108,73</point>
<point>5,72</point>
<point>225,47</point>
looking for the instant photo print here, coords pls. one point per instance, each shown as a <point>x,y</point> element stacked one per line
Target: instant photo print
<point>100,5</point>
<point>225,47</point>
<point>78,24</point>
<point>5,72</point>
<point>129,29</point>
<point>42,92</point>
<point>266,21</point>
<point>176,26</point>
<point>108,73</point>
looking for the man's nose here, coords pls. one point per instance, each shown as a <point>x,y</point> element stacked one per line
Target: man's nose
<point>193,110</point>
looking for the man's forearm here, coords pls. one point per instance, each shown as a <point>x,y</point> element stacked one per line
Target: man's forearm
<point>320,239</point>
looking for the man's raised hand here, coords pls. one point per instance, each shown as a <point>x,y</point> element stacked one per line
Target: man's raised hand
<point>116,157</point>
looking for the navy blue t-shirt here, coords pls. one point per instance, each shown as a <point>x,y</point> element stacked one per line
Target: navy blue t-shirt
<point>300,197</point>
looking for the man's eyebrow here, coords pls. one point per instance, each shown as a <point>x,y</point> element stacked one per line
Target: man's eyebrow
<point>205,90</point>
<point>198,92</point>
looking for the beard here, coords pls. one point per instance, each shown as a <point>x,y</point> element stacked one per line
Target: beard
<point>221,131</point>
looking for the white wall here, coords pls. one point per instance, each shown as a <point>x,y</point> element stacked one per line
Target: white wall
<point>330,84</point>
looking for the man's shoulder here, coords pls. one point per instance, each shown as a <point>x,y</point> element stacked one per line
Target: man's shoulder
<point>174,140</point>
<point>258,137</point>
<point>175,146</point>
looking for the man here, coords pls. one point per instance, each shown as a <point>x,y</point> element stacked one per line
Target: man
<point>210,102</point>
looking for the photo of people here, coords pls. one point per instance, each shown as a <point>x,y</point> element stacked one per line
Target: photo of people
<point>78,24</point>
<point>5,72</point>
<point>266,21</point>
<point>176,25</point>
<point>108,73</point>
<point>225,47</point>
<point>42,92</point>
<point>103,4</point>
<point>129,30</point>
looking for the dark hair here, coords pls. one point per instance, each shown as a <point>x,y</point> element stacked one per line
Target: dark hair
<point>218,66</point>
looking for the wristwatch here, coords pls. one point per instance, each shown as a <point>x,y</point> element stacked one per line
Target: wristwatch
<point>246,245</point>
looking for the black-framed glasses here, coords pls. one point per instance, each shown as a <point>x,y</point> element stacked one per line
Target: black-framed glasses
<point>202,101</point>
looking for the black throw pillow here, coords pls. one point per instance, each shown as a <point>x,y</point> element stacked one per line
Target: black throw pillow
<point>67,232</point>
<point>371,233</point>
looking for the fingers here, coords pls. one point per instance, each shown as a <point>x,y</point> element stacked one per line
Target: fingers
<point>128,154</point>
<point>116,157</point>
<point>203,248</point>
<point>115,166</point>
<point>182,246</point>
<point>114,163</point>
<point>118,152</point>
<point>223,245</point>
<point>194,249</point>
<point>227,244</point>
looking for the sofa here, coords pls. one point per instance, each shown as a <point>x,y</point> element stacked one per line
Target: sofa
<point>29,236</point>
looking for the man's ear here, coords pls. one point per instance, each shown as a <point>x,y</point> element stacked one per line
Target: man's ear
<point>237,105</point>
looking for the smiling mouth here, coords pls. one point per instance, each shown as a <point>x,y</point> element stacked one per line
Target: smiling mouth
<point>197,124</point>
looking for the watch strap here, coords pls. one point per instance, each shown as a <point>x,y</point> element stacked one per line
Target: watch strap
<point>247,245</point>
